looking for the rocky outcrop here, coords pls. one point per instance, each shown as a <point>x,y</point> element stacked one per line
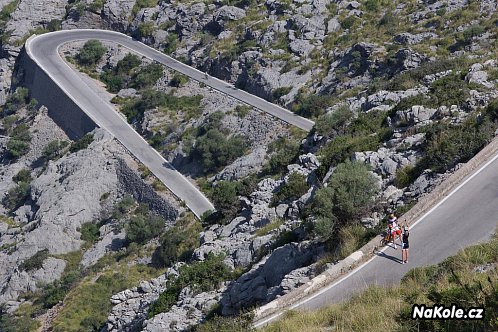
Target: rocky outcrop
<point>263,282</point>
<point>407,38</point>
<point>33,14</point>
<point>69,193</point>
<point>116,12</point>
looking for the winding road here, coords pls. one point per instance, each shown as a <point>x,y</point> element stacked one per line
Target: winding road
<point>43,49</point>
<point>466,216</point>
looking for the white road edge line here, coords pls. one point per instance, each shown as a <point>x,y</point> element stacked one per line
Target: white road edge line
<point>323,290</point>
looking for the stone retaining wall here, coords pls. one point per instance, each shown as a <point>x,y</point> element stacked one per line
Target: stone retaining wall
<point>61,108</point>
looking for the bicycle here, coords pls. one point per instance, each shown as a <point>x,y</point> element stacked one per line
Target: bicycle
<point>388,238</point>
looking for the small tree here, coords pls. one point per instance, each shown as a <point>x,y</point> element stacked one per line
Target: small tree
<point>179,242</point>
<point>322,208</point>
<point>17,148</point>
<point>225,198</point>
<point>91,53</point>
<point>354,189</point>
<point>142,228</point>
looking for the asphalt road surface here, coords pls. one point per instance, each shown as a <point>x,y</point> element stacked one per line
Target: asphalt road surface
<point>468,215</point>
<point>43,49</point>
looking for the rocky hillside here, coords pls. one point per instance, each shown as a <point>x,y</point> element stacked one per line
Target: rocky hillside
<point>402,92</point>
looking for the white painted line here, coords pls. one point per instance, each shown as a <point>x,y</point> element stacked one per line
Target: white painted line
<point>323,290</point>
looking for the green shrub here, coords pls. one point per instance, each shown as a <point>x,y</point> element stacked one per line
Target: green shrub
<point>54,25</point>
<point>18,144</point>
<point>242,110</point>
<point>226,324</point>
<point>147,76</point>
<point>141,228</point>
<point>472,32</point>
<point>146,29</point>
<point>280,92</point>
<point>54,150</point>
<point>404,176</point>
<point>125,65</point>
<point>325,228</point>
<point>190,105</point>
<point>9,121</point>
<point>407,103</point>
<point>334,123</point>
<point>199,277</point>
<point>140,4</point>
<point>179,242</point>
<point>17,148</point>
<point>351,238</point>
<point>123,207</point>
<point>354,190</point>
<point>411,78</point>
<point>19,321</point>
<point>17,196</point>
<point>91,53</point>
<point>311,106</point>
<point>178,80</point>
<point>96,6</point>
<point>214,150</point>
<point>225,199</point>
<point>450,90</point>
<point>55,292</point>
<point>365,133</point>
<point>118,77</point>
<point>455,144</point>
<point>389,22</point>
<point>295,187</point>
<point>82,143</point>
<point>113,82</point>
<point>283,152</point>
<point>348,22</point>
<point>171,42</point>
<point>35,262</point>
<point>90,232</point>
<point>24,175</point>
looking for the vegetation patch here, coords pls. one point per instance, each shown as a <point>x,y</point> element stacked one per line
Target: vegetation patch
<point>82,143</point>
<point>179,242</point>
<point>91,52</point>
<point>35,262</point>
<point>214,148</point>
<point>295,187</point>
<point>135,107</point>
<point>119,76</point>
<point>199,277</point>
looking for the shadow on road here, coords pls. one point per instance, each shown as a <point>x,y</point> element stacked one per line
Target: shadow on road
<point>384,255</point>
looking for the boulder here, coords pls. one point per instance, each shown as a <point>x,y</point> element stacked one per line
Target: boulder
<point>407,38</point>
<point>229,13</point>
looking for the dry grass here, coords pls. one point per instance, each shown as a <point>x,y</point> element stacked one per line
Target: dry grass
<point>455,280</point>
<point>370,311</point>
